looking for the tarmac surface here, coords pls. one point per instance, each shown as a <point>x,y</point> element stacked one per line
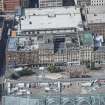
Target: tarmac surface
<point>6,24</point>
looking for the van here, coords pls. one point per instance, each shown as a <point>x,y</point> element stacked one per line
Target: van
<point>87,84</point>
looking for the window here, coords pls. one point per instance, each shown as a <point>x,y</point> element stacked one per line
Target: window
<point>40,38</point>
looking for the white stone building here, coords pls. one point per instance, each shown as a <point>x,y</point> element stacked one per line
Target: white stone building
<point>97,2</point>
<point>1,5</point>
<point>56,33</point>
<point>50,3</point>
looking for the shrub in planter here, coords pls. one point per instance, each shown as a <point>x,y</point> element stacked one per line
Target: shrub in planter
<point>53,69</point>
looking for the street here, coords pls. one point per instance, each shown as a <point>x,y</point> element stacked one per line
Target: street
<point>5,25</point>
<point>3,43</point>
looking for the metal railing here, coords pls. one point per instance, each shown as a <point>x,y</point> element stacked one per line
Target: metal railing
<point>55,100</point>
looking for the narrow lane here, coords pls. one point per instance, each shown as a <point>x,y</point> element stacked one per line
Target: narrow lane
<point>3,44</point>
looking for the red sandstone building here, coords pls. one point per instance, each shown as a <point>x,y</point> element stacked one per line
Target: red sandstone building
<point>11,5</point>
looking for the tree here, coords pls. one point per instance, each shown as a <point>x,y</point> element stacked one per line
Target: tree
<point>25,72</point>
<point>53,69</point>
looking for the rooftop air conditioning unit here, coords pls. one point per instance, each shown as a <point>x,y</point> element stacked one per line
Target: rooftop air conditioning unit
<point>51,15</point>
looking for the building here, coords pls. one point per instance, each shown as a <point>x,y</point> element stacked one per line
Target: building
<point>33,3</point>
<point>90,2</point>
<point>97,2</point>
<point>56,10</point>
<point>99,55</point>
<point>95,9</point>
<point>86,54</point>
<point>96,24</point>
<point>1,5</point>
<point>87,45</point>
<point>44,3</point>
<point>22,58</point>
<point>54,23</point>
<point>83,2</point>
<point>57,39</point>
<point>50,3</point>
<point>25,3</point>
<point>69,2</point>
<point>96,19</point>
<point>11,5</point>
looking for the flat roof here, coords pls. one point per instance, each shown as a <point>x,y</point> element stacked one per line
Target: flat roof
<point>56,10</point>
<point>96,9</point>
<point>51,21</point>
<point>87,39</point>
<point>96,18</point>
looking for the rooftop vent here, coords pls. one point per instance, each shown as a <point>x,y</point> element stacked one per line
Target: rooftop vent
<point>30,22</point>
<point>95,14</point>
<point>34,14</point>
<point>22,18</point>
<point>70,14</point>
<point>51,15</point>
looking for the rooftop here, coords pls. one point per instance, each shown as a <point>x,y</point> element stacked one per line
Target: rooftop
<point>96,9</point>
<point>51,22</point>
<point>56,10</point>
<point>87,39</point>
<point>96,18</point>
<point>51,18</point>
<point>101,49</point>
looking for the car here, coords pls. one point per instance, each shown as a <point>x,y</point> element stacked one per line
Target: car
<point>47,89</point>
